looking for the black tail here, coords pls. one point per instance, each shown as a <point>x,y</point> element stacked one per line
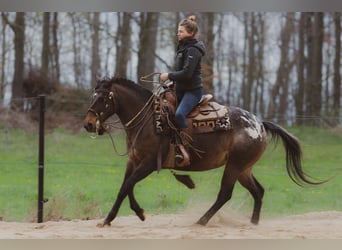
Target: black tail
<point>293,154</point>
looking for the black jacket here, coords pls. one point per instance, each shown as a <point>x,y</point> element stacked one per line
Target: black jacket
<point>188,65</point>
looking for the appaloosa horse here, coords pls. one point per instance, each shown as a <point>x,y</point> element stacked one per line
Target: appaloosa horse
<point>236,148</point>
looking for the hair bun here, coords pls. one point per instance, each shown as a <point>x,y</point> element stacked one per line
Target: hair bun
<point>192,18</point>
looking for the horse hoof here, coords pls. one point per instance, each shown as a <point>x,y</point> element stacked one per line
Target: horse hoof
<point>141,215</point>
<point>255,222</point>
<point>201,222</point>
<point>103,224</point>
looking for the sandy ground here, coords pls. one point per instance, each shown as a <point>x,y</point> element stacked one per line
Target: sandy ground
<point>316,225</point>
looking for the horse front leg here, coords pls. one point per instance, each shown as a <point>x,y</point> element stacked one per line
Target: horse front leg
<point>132,201</point>
<point>140,172</point>
<point>135,206</point>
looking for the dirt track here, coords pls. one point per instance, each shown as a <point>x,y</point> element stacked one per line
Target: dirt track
<point>316,225</point>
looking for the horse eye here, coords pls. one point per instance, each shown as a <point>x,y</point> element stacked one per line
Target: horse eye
<point>93,96</point>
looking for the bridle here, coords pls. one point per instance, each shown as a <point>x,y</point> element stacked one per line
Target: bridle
<point>141,118</point>
<point>110,98</point>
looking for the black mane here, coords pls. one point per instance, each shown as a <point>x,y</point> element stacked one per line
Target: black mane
<point>108,82</point>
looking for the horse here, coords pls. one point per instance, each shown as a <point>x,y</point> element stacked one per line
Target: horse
<point>237,148</point>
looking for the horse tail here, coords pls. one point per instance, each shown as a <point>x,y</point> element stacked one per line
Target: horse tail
<point>293,153</point>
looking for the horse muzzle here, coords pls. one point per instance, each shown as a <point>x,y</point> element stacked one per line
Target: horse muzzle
<point>93,126</point>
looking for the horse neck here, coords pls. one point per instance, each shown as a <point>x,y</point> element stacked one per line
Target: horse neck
<point>130,102</point>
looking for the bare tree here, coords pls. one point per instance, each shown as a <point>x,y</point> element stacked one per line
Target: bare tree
<point>95,57</point>
<point>123,43</point>
<point>315,61</point>
<point>337,66</point>
<point>207,35</point>
<point>147,44</point>
<point>300,90</point>
<point>258,105</point>
<point>308,97</point>
<point>3,59</point>
<point>55,47</point>
<point>46,44</point>
<point>18,27</point>
<point>250,33</point>
<point>279,94</point>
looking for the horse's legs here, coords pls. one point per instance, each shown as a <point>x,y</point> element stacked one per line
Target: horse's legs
<point>247,180</point>
<point>227,185</point>
<point>133,203</point>
<point>143,170</point>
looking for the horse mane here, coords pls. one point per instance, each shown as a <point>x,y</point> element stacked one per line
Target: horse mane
<point>108,82</point>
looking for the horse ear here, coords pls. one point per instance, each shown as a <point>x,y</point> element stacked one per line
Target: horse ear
<point>97,78</point>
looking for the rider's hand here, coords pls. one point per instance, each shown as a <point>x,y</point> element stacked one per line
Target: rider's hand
<point>164,77</point>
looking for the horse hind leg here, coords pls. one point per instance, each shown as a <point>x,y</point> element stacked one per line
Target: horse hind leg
<point>248,181</point>
<point>227,185</point>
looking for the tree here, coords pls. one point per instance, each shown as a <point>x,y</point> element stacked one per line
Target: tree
<point>3,59</point>
<point>207,35</point>
<point>123,43</point>
<point>250,61</point>
<point>55,47</point>
<point>18,27</point>
<point>300,90</point>
<point>46,44</point>
<point>258,105</point>
<point>315,61</point>
<point>280,89</point>
<point>147,44</point>
<point>337,66</point>
<point>95,56</point>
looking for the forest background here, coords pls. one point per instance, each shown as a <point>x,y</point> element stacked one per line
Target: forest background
<point>283,66</point>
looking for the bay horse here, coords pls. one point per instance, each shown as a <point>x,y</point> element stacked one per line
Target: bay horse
<point>237,149</point>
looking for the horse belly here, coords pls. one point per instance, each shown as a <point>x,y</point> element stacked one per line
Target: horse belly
<point>215,151</point>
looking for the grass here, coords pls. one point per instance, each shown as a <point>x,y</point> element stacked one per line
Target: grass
<point>83,176</point>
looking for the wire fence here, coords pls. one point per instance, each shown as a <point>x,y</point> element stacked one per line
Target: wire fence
<point>74,162</point>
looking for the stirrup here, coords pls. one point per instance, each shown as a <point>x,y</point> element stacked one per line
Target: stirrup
<point>183,158</point>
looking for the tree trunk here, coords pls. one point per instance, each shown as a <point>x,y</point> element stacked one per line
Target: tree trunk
<point>313,90</point>
<point>95,57</point>
<point>316,92</point>
<point>123,43</point>
<point>76,56</point>
<point>3,60</point>
<point>208,36</point>
<point>55,49</point>
<point>46,44</point>
<point>299,94</point>
<point>147,46</point>
<point>337,66</point>
<point>281,87</point>
<point>19,41</point>
<point>259,88</point>
<point>251,63</point>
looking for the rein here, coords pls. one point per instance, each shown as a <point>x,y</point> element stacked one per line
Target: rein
<point>139,119</point>
<point>149,102</point>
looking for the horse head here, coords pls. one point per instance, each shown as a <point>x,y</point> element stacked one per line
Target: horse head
<point>101,108</point>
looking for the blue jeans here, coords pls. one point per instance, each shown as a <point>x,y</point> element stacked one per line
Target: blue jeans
<point>187,101</point>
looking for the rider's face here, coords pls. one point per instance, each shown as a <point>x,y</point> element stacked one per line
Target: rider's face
<point>182,33</point>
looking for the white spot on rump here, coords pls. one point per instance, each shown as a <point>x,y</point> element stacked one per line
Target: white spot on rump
<point>253,133</point>
<point>254,129</point>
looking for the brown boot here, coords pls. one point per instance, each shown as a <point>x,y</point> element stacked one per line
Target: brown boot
<point>183,158</point>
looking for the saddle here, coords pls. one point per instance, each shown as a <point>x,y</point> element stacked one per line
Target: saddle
<point>206,117</point>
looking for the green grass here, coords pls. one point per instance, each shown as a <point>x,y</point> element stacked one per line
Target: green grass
<point>83,176</point>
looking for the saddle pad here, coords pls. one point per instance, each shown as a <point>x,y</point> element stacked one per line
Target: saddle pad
<point>209,118</point>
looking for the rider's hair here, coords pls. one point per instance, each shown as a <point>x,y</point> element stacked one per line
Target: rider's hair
<point>189,24</point>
